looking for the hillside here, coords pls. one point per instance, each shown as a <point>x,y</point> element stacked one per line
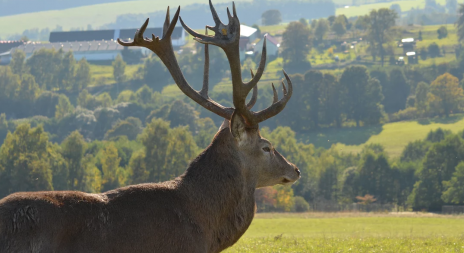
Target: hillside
<point>393,136</point>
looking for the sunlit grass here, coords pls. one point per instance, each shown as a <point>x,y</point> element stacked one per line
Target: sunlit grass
<point>393,136</point>
<point>366,8</point>
<point>103,74</point>
<point>353,232</point>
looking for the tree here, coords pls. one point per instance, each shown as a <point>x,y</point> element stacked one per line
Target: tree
<point>376,177</point>
<point>438,166</point>
<point>154,73</point>
<point>296,46</point>
<point>144,95</point>
<point>380,23</point>
<point>460,23</point>
<point>339,26</point>
<point>314,83</point>
<point>271,17</point>
<point>445,94</point>
<point>415,151</point>
<point>284,198</point>
<point>73,149</point>
<point>434,50</point>
<point>183,114</point>
<point>119,68</point>
<point>155,138</point>
<point>396,8</point>
<point>83,77</point>
<point>130,127</point>
<point>396,92</point>
<point>422,90</point>
<point>17,62</point>
<point>63,107</point>
<point>363,95</point>
<point>26,161</point>
<point>322,27</point>
<point>26,95</point>
<point>180,152</point>
<point>454,190</point>
<point>332,100</point>
<point>113,176</point>
<point>44,65</point>
<point>65,74</point>
<point>442,32</point>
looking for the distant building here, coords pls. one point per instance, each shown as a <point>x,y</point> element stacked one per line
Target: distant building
<point>90,50</point>
<point>272,46</point>
<point>178,35</point>
<point>247,36</point>
<point>5,46</point>
<point>408,44</point>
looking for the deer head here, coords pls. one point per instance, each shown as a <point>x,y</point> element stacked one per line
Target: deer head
<point>260,161</point>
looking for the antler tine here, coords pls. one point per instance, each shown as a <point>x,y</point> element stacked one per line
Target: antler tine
<point>276,107</point>
<point>254,96</point>
<point>216,18</point>
<point>138,37</point>
<point>166,23</point>
<point>276,96</point>
<point>259,72</point>
<point>204,89</point>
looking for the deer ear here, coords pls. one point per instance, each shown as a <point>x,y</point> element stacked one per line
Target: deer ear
<point>237,125</point>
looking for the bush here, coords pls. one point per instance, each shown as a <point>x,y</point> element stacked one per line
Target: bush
<point>442,32</point>
<point>434,50</point>
<point>301,205</point>
<point>406,114</point>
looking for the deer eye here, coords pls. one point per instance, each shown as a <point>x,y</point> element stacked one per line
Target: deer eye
<point>267,149</point>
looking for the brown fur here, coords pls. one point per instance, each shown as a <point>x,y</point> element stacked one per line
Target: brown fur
<point>207,209</point>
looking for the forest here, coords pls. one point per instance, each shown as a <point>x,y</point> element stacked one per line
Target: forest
<point>60,131</point>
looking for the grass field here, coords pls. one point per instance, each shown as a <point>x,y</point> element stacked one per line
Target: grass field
<point>353,232</point>
<point>96,15</point>
<point>393,136</point>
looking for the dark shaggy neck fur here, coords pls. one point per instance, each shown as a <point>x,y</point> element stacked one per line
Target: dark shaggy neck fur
<point>224,196</point>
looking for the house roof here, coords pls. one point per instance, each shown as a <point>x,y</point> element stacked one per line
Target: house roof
<point>123,34</point>
<point>246,31</point>
<point>5,46</point>
<point>272,39</point>
<point>80,46</point>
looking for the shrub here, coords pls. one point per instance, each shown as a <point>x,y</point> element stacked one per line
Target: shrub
<point>301,205</point>
<point>406,114</point>
<point>434,50</point>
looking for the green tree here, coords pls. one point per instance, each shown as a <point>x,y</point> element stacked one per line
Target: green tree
<point>434,50</point>
<point>139,172</point>
<point>131,127</point>
<point>445,94</point>
<point>155,138</point>
<point>453,189</point>
<point>44,65</point>
<point>460,23</point>
<point>63,107</point>
<point>380,23</point>
<point>339,26</point>
<point>376,177</point>
<point>119,68</point>
<point>154,73</point>
<point>271,17</point>
<point>396,92</point>
<point>82,77</point>
<point>438,166</point>
<point>73,149</point>
<point>442,32</point>
<point>86,100</point>
<point>26,159</point>
<point>332,100</point>
<point>363,95</point>
<point>415,151</point>
<point>65,73</point>
<point>181,150</point>
<point>422,90</point>
<point>182,114</point>
<point>296,45</point>
<point>322,27</point>
<point>314,85</point>
<point>17,63</point>
<point>104,100</point>
<point>144,95</point>
<point>396,8</point>
<point>112,175</point>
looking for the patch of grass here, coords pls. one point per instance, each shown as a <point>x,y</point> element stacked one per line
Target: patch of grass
<point>393,136</point>
<point>321,232</point>
<point>95,15</point>
<point>103,74</point>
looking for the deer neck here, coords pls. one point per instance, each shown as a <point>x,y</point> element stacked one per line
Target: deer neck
<point>220,192</point>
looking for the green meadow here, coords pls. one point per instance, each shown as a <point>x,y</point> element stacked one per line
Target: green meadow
<point>352,232</point>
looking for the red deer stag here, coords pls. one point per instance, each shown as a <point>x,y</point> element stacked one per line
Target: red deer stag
<point>207,209</point>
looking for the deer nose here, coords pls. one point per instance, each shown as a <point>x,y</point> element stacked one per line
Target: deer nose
<point>298,171</point>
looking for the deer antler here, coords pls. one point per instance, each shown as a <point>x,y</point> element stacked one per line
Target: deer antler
<point>226,37</point>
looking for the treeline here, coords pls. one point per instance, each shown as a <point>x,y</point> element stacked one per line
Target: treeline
<point>428,174</point>
<point>199,15</point>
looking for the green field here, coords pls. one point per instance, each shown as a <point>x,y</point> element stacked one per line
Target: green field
<point>352,232</point>
<point>79,17</point>
<point>393,136</point>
